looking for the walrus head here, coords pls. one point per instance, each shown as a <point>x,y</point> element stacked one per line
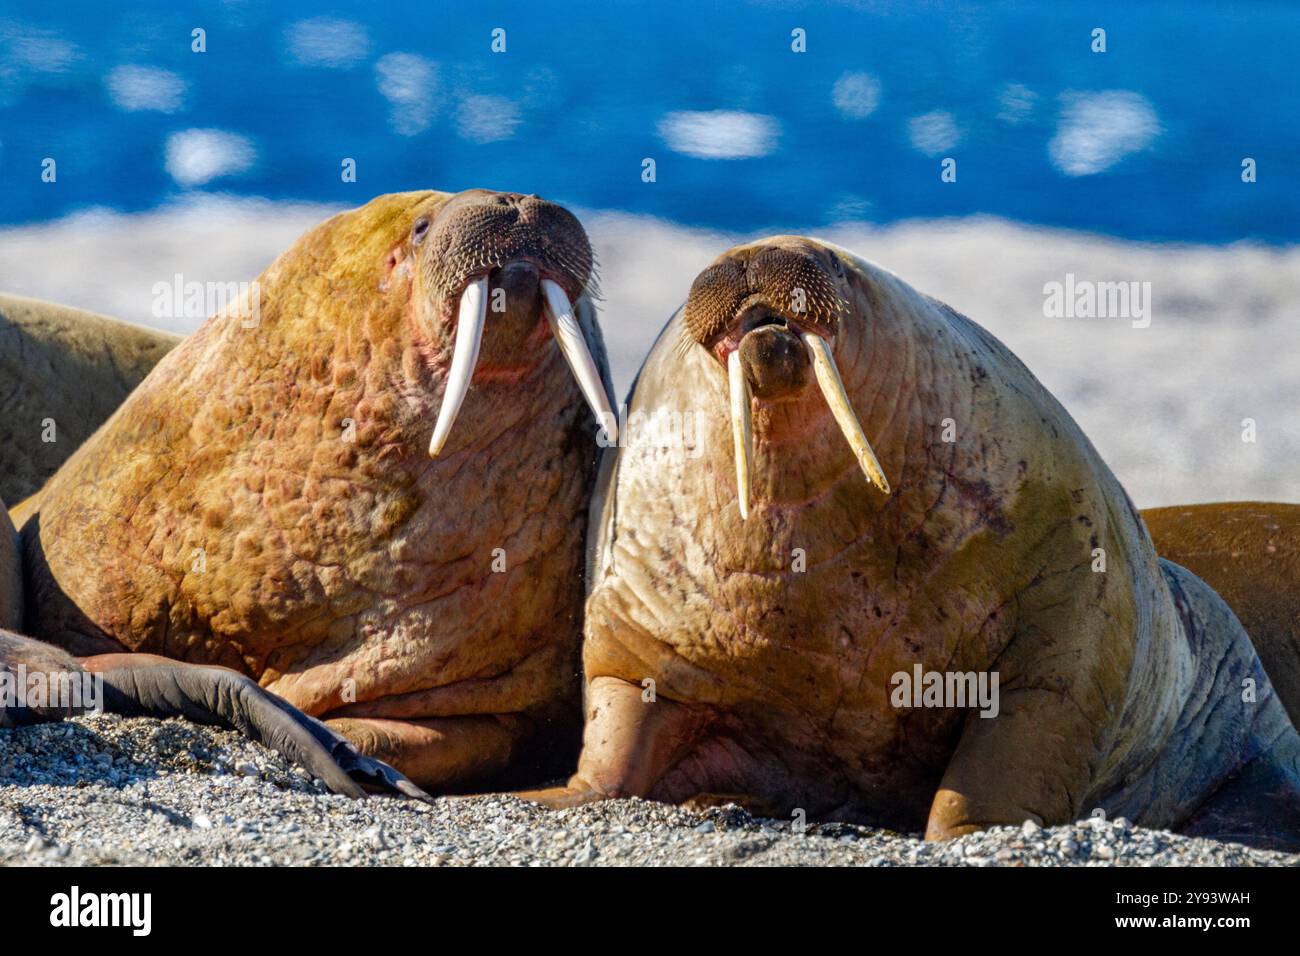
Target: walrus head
<point>770,314</point>
<point>493,270</point>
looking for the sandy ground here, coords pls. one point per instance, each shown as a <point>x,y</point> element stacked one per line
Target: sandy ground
<point>106,790</point>
<point>1164,404</point>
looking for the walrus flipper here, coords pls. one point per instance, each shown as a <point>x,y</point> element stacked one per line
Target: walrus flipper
<point>146,686</point>
<point>217,695</point>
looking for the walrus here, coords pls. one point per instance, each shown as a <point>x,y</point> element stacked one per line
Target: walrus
<point>40,683</point>
<point>368,493</point>
<point>67,371</point>
<point>879,515</point>
<point>1249,553</point>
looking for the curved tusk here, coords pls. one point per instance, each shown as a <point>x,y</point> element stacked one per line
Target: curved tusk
<point>742,432</point>
<point>469,334</point>
<point>568,335</point>
<point>832,386</point>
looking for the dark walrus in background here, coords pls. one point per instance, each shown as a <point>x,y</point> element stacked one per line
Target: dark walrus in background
<point>762,618</point>
<point>285,494</point>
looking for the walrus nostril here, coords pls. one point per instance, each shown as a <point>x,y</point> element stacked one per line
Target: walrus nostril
<point>477,233</point>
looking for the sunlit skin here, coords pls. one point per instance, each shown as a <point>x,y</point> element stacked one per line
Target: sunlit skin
<point>266,499</point>
<point>771,640</point>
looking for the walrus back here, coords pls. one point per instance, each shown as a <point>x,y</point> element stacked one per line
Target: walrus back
<point>69,367</point>
<point>1249,552</point>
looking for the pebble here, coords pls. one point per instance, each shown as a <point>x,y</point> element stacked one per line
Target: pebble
<point>155,806</point>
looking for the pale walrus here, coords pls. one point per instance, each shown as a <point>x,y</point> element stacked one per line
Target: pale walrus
<point>772,597</point>
<point>286,495</point>
<point>65,372</point>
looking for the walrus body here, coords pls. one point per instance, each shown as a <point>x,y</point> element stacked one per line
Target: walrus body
<point>40,683</point>
<point>66,371</point>
<point>766,660</point>
<point>264,500</point>
<point>1249,552</point>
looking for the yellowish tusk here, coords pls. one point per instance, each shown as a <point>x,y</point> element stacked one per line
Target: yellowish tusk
<point>742,432</point>
<point>832,386</point>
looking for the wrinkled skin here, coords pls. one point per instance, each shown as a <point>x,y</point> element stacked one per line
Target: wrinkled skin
<point>138,685</point>
<point>264,500</point>
<point>65,371</point>
<point>1249,552</point>
<point>1119,690</point>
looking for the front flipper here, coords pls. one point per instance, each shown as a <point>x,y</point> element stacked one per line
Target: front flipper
<point>561,798</point>
<point>142,685</point>
<point>139,685</point>
<point>629,743</point>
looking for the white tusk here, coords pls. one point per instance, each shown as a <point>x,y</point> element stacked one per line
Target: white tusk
<point>742,432</point>
<point>469,334</point>
<point>828,377</point>
<point>568,335</point>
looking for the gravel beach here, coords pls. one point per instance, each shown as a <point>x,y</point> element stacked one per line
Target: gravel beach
<point>109,790</point>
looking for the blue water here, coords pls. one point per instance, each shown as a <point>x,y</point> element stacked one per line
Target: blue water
<point>592,82</point>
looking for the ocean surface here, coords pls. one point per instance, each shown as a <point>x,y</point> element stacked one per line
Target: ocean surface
<point>1117,166</point>
<point>1143,141</point>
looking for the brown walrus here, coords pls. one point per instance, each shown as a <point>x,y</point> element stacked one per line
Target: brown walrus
<point>1249,552</point>
<point>285,494</point>
<point>65,371</point>
<point>764,618</point>
<point>41,683</point>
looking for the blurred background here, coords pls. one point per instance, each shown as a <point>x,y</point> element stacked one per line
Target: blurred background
<point>1117,166</point>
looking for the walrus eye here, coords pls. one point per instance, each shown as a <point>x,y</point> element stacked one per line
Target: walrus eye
<point>835,264</point>
<point>420,230</point>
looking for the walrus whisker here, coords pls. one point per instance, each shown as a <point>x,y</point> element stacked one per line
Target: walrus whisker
<point>832,386</point>
<point>742,432</point>
<point>469,335</point>
<point>568,335</point>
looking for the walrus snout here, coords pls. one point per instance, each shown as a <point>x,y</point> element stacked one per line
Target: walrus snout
<point>769,312</point>
<point>507,254</point>
<point>789,276</point>
<point>478,230</point>
<point>775,360</point>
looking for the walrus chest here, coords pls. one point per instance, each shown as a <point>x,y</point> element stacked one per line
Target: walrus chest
<point>830,630</point>
<point>347,575</point>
